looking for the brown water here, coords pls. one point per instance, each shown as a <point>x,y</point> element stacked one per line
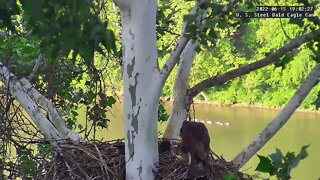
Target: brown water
<point>244,124</point>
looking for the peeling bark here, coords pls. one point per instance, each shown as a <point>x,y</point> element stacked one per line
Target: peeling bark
<point>141,88</point>
<point>183,97</point>
<point>33,110</point>
<point>279,121</point>
<point>53,128</point>
<point>47,105</point>
<point>181,100</point>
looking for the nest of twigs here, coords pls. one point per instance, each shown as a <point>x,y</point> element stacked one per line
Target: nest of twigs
<point>105,160</point>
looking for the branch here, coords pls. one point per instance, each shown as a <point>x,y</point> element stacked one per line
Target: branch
<point>33,110</point>
<point>174,57</point>
<point>245,69</point>
<point>39,64</point>
<point>53,128</point>
<point>182,42</point>
<point>181,84</point>
<point>53,114</point>
<point>278,122</point>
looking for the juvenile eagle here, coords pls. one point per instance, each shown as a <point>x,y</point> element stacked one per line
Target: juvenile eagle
<point>195,142</point>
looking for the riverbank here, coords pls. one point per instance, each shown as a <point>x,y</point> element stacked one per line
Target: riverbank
<point>215,103</point>
<point>257,106</point>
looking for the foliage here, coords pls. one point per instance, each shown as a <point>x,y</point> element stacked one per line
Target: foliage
<point>162,113</point>
<point>63,26</point>
<point>250,41</point>
<point>26,163</point>
<point>230,176</point>
<point>8,9</point>
<point>76,45</point>
<point>278,165</point>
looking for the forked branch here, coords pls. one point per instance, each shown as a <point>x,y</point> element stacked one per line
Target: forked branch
<point>182,42</point>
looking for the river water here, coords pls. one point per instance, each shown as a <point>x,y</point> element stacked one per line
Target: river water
<point>232,128</point>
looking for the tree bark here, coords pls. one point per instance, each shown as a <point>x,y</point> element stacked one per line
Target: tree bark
<point>245,69</point>
<point>53,129</point>
<point>182,42</point>
<point>141,87</point>
<point>53,115</point>
<point>180,104</point>
<point>278,122</point>
<point>182,97</point>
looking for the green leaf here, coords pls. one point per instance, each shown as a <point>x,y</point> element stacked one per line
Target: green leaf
<point>74,113</point>
<point>8,8</point>
<point>111,101</point>
<point>303,152</point>
<point>70,123</point>
<point>204,5</point>
<point>33,8</point>
<point>43,148</point>
<point>209,23</point>
<point>304,2</point>
<point>162,112</point>
<point>277,158</point>
<point>284,61</point>
<point>27,164</point>
<point>289,156</point>
<point>109,41</point>
<point>91,96</point>
<point>191,30</point>
<point>213,34</point>
<point>216,8</point>
<point>317,101</point>
<point>189,17</point>
<point>297,21</point>
<point>265,165</point>
<point>229,176</point>
<point>302,155</point>
<point>222,24</point>
<point>198,49</point>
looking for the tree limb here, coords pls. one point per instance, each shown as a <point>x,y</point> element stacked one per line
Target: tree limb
<point>182,42</point>
<point>278,122</point>
<point>39,64</point>
<point>53,114</point>
<point>179,110</point>
<point>245,69</point>
<point>53,127</point>
<point>33,110</point>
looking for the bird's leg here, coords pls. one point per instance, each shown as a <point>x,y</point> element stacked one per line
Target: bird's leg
<point>189,157</point>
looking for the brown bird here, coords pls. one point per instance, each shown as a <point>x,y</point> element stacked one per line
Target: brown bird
<point>195,142</point>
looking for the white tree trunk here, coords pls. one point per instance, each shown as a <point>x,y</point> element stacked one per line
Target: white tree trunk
<point>181,99</point>
<point>278,122</point>
<point>141,87</point>
<point>181,85</point>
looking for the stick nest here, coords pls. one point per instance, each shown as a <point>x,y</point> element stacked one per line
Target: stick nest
<point>105,160</point>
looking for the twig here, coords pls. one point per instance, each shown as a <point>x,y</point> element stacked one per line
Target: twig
<point>76,164</point>
<point>39,64</point>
